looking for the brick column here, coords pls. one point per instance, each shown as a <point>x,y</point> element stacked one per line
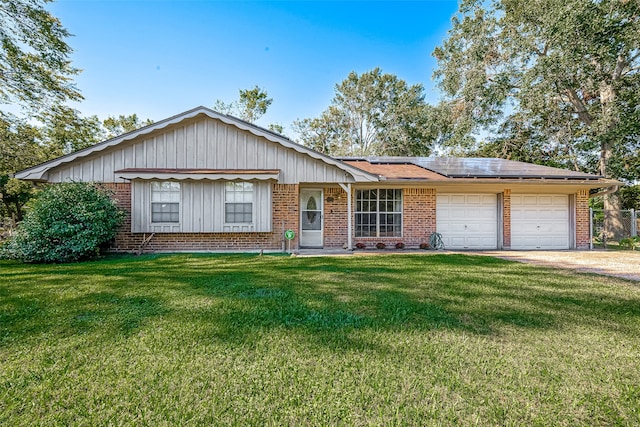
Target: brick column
<point>582,219</point>
<point>286,215</point>
<point>335,217</point>
<point>506,218</point>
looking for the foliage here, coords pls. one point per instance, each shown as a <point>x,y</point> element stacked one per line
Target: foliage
<point>437,339</point>
<point>381,245</point>
<point>361,245</point>
<point>630,243</point>
<point>65,130</point>
<point>372,114</point>
<point>66,222</point>
<point>424,246</point>
<point>399,245</point>
<point>116,126</point>
<point>251,105</point>
<point>35,71</point>
<point>630,196</point>
<point>557,78</point>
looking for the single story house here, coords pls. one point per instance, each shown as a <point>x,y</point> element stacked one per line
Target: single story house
<point>205,181</point>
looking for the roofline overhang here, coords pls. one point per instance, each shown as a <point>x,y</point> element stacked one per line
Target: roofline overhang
<point>38,172</point>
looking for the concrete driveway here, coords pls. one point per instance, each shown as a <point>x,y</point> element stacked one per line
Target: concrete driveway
<point>624,264</point>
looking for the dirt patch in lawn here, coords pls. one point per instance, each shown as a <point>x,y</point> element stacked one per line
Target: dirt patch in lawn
<point>624,264</point>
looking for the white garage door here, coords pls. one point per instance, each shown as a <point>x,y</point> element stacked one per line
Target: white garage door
<point>467,221</point>
<point>539,221</point>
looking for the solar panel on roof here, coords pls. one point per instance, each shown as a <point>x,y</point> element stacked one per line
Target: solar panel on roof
<point>458,167</point>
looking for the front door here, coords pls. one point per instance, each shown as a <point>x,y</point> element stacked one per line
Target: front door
<point>311,218</point>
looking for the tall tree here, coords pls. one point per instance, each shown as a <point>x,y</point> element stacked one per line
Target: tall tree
<point>66,130</point>
<point>116,126</point>
<point>251,105</point>
<point>372,114</point>
<point>19,149</point>
<point>35,71</point>
<point>566,70</point>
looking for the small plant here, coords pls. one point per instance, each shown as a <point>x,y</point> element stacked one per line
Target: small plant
<point>380,245</point>
<point>424,246</point>
<point>630,243</point>
<point>399,245</point>
<point>361,245</point>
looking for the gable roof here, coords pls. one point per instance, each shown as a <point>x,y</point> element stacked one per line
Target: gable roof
<point>38,172</point>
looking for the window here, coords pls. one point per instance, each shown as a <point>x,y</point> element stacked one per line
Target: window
<point>165,201</point>
<point>379,213</point>
<point>238,202</point>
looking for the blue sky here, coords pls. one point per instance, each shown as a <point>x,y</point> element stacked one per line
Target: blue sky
<point>159,58</point>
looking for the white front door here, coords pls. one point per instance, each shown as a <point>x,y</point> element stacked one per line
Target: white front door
<point>311,218</point>
<point>540,221</point>
<point>467,221</point>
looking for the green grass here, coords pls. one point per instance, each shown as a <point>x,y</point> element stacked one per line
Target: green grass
<point>274,340</point>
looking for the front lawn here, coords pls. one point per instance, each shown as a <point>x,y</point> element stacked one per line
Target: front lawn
<point>274,340</point>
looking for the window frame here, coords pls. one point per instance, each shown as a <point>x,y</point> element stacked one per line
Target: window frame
<point>239,194</point>
<point>165,195</point>
<point>378,211</point>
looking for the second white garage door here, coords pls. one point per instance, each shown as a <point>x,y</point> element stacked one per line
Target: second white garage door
<point>467,221</point>
<point>540,221</point>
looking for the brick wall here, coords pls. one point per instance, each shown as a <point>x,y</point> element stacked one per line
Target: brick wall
<point>285,216</point>
<point>335,217</point>
<point>418,216</point>
<point>582,219</point>
<point>506,219</point>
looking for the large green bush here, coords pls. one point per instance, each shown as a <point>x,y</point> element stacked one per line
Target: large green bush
<point>64,223</point>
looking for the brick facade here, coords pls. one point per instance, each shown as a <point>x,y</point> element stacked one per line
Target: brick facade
<point>418,220</point>
<point>506,219</point>
<point>582,219</point>
<point>285,216</point>
<point>335,217</point>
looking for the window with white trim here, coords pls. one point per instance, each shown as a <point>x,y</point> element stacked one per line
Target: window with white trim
<point>378,213</point>
<point>238,202</point>
<point>165,201</point>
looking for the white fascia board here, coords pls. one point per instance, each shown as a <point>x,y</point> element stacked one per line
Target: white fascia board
<point>37,172</point>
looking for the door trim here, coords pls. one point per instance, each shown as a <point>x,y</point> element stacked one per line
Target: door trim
<point>321,209</point>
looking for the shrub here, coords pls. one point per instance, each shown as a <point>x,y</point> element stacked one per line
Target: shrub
<point>630,243</point>
<point>399,245</point>
<point>380,245</point>
<point>424,246</point>
<point>66,222</point>
<point>360,245</point>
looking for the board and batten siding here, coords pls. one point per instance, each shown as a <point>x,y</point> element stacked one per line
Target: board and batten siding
<point>202,143</point>
<point>201,209</point>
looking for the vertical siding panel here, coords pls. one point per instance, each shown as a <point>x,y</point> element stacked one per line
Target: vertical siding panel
<point>207,205</point>
<point>190,145</point>
<point>218,211</point>
<point>221,145</point>
<point>201,155</point>
<point>180,159</point>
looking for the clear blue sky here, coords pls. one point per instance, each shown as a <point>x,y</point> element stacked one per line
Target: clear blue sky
<point>159,58</point>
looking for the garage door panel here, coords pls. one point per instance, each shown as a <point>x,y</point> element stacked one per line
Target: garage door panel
<point>540,221</point>
<point>467,221</point>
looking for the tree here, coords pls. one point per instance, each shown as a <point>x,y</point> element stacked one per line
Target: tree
<point>35,71</point>
<point>19,149</point>
<point>65,130</point>
<point>116,126</point>
<point>564,70</point>
<point>372,114</point>
<point>67,222</point>
<point>251,105</point>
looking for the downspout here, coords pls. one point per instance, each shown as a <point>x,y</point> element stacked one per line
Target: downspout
<point>347,188</point>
